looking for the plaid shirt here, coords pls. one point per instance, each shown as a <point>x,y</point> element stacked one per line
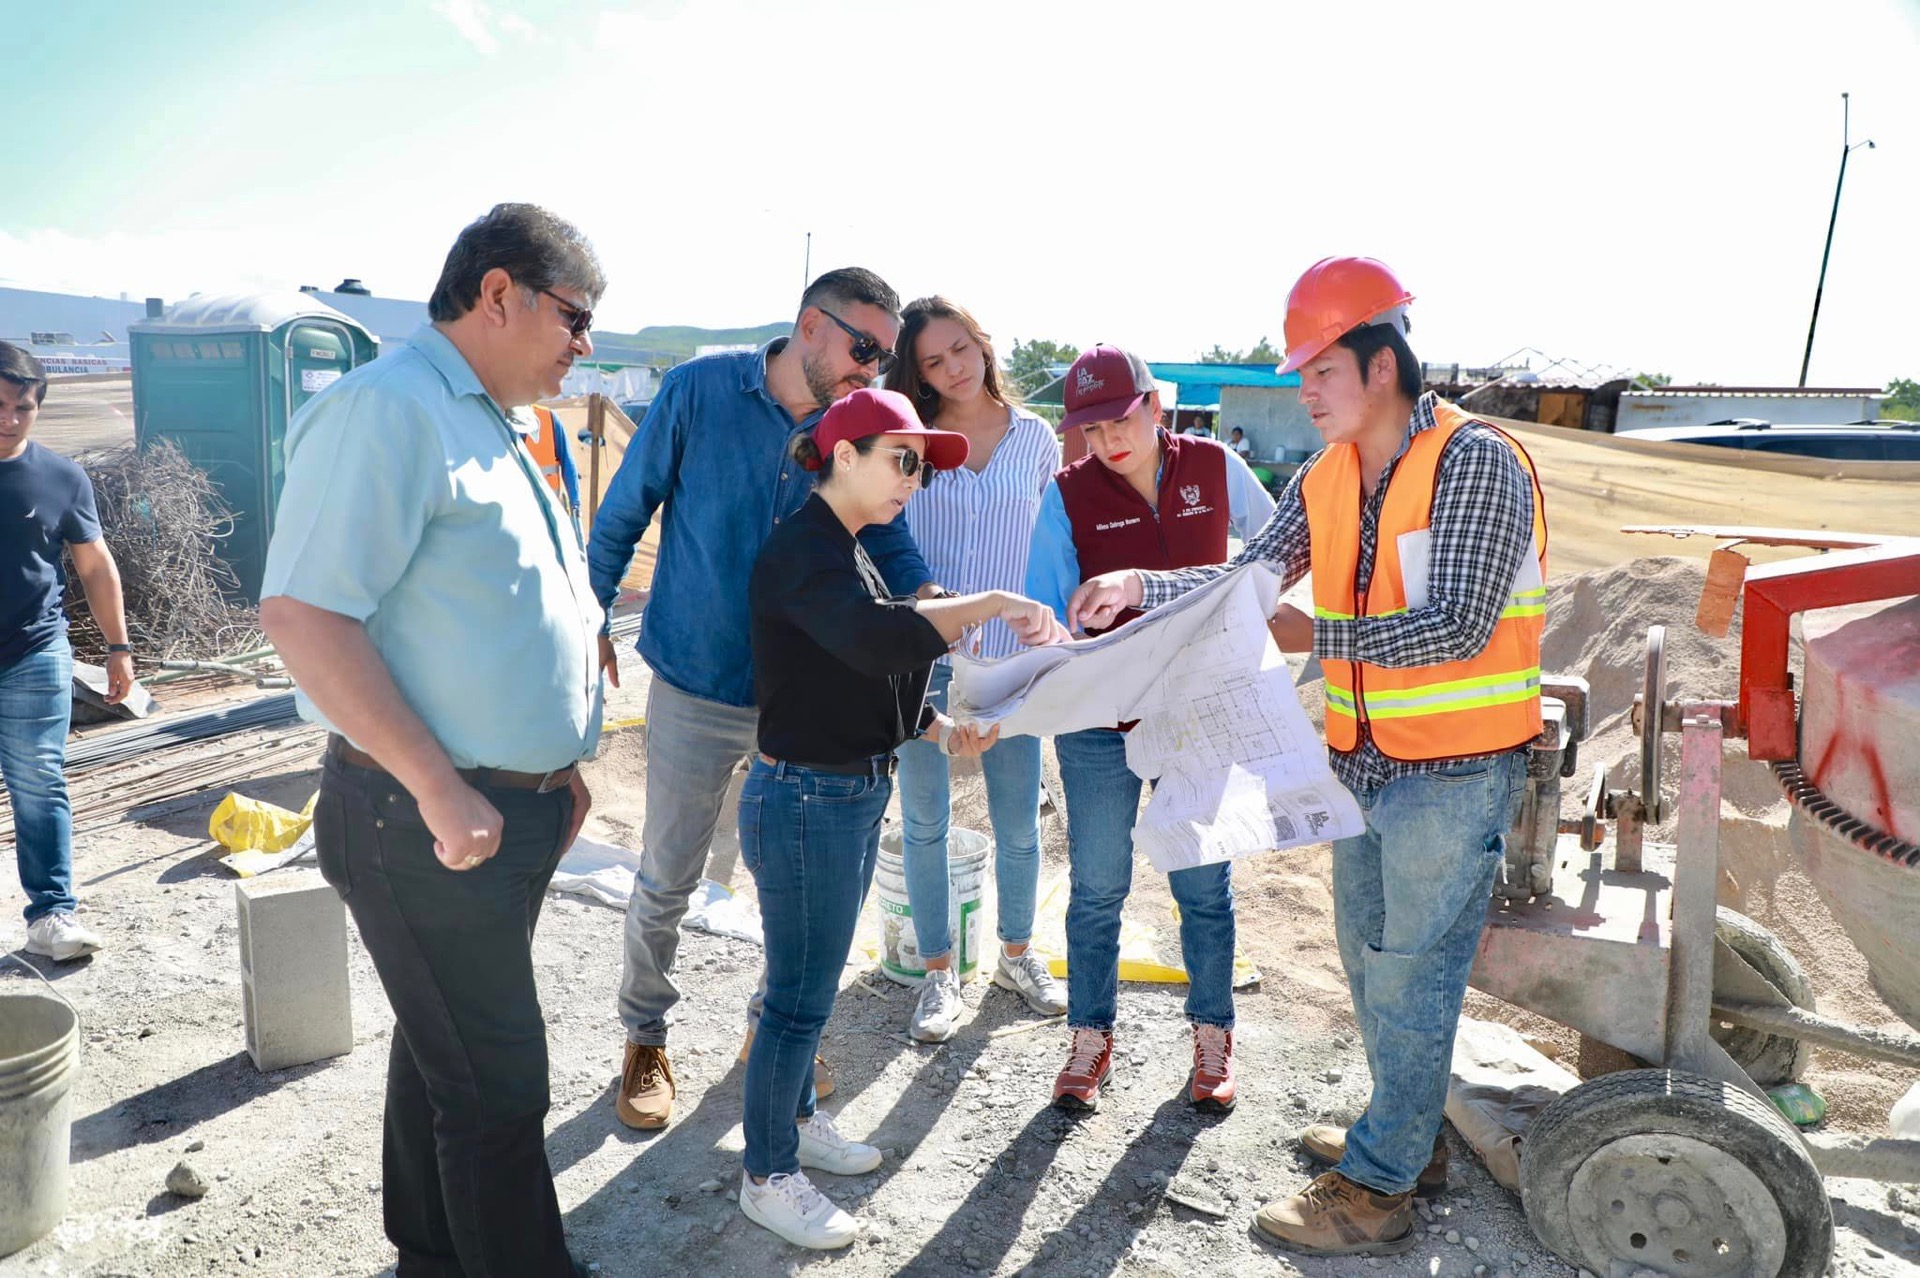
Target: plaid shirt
<point>1482,527</point>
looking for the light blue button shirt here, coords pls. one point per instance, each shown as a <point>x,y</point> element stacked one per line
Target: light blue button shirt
<point>410,507</point>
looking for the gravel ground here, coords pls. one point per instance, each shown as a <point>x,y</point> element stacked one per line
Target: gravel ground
<point>981,1176</point>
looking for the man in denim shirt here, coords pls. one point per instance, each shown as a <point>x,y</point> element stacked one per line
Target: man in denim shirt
<point>713,451</point>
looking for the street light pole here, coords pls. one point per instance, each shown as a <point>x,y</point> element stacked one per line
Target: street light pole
<point>1847,147</point>
<point>806,266</point>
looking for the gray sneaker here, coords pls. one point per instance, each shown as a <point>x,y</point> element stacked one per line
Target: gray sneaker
<point>1027,976</point>
<point>938,1013</point>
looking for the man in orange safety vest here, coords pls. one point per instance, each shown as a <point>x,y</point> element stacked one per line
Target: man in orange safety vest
<point>1425,531</point>
<point>555,459</point>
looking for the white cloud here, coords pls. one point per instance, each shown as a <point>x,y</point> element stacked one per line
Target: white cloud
<point>471,18</point>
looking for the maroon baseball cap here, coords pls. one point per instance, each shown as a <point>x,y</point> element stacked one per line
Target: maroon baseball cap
<point>1104,385</point>
<point>883,412</point>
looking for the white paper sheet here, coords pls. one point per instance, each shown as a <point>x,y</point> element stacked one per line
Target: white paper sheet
<point>1237,766</point>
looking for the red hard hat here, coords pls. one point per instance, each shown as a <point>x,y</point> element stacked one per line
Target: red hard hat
<point>1336,295</point>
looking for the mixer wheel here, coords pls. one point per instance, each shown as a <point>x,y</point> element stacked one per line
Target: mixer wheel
<point>1682,1175</point>
<point>1769,1059</point>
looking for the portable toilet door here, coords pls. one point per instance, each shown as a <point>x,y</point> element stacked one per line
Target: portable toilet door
<point>220,378</point>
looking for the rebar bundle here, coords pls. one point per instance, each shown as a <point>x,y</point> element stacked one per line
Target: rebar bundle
<point>164,521</point>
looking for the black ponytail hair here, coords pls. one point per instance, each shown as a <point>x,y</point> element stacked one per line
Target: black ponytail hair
<point>807,455</point>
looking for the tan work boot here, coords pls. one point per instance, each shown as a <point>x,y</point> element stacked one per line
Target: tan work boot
<point>822,1076</point>
<point>1326,1143</point>
<point>645,1099</point>
<point>1336,1217</point>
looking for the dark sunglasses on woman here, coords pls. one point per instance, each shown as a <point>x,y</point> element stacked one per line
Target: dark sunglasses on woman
<point>911,464</point>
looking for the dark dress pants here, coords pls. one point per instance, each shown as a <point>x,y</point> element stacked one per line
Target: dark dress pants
<point>466,1188</point>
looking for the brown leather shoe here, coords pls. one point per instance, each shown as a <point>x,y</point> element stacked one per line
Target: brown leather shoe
<point>1326,1143</point>
<point>1337,1217</point>
<point>645,1099</point>
<point>822,1073</point>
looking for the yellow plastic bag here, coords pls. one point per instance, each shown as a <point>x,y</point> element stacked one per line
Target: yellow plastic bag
<point>241,824</point>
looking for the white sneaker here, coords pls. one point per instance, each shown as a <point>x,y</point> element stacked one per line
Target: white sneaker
<point>1026,974</point>
<point>60,937</point>
<point>791,1207</point>
<point>937,1014</point>
<point>823,1148</point>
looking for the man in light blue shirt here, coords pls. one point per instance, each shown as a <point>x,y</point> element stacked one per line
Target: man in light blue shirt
<point>431,599</point>
<point>712,451</point>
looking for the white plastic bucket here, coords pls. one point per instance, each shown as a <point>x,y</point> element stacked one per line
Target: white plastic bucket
<point>39,1057</point>
<point>968,852</point>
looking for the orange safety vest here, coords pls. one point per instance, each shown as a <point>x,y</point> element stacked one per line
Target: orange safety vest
<point>1485,704</point>
<point>545,449</point>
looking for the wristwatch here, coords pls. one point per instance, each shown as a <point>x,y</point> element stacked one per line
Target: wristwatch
<point>120,647</point>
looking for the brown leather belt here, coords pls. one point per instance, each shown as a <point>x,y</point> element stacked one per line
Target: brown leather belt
<point>338,747</point>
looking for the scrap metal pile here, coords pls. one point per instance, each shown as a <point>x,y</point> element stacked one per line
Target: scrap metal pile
<point>165,523</point>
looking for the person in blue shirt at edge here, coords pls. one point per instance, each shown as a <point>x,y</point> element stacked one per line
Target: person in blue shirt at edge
<point>713,449</point>
<point>1141,497</point>
<point>1425,532</point>
<point>46,504</point>
<point>975,528</point>
<point>840,675</point>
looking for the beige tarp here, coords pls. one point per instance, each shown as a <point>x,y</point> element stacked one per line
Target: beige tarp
<point>1598,483</point>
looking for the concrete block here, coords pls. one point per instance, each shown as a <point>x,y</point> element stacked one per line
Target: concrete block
<point>293,969</point>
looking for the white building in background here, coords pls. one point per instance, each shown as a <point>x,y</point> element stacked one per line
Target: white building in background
<point>1777,405</point>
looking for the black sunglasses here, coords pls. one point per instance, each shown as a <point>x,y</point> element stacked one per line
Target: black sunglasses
<point>577,320</point>
<point>911,464</point>
<point>865,349</point>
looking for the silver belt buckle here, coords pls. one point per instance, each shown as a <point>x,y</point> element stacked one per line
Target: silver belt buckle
<point>548,785</point>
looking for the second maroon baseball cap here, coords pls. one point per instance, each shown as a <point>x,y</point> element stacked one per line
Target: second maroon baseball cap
<point>883,412</point>
<point>1104,385</point>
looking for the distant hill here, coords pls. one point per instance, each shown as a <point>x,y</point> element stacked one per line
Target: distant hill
<point>683,339</point>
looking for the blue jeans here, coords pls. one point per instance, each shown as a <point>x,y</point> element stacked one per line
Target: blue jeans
<point>1102,799</point>
<point>1409,902</point>
<point>810,839</point>
<point>36,707</point>
<point>1012,770</point>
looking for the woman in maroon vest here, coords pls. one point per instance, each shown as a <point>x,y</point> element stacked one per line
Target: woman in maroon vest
<point>1140,498</point>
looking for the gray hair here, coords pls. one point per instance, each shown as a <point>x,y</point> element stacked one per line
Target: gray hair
<point>536,248</point>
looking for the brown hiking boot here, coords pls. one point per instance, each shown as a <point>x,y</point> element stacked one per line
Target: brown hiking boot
<point>1088,1070</point>
<point>822,1075</point>
<point>1337,1217</point>
<point>1326,1143</point>
<point>1210,1086</point>
<point>645,1099</point>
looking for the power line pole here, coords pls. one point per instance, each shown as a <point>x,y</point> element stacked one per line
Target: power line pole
<point>1847,147</point>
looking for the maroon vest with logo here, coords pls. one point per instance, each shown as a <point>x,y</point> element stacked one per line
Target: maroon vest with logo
<point>1114,527</point>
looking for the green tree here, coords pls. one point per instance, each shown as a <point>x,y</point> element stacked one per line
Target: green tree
<point>1653,381</point>
<point>1903,400</point>
<point>1028,367</point>
<point>1262,353</point>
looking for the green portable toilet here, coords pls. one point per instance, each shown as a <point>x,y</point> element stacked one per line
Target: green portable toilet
<point>220,377</point>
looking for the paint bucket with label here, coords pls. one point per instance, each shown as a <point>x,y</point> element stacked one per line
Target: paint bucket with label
<point>968,852</point>
<point>39,1060</point>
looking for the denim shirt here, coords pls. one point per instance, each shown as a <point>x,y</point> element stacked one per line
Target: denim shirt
<point>713,451</point>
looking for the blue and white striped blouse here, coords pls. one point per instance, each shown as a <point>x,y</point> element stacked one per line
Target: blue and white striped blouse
<point>974,530</point>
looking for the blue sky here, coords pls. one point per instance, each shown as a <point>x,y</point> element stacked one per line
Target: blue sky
<point>1638,184</point>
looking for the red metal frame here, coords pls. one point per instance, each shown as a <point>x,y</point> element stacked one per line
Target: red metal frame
<point>1774,593</point>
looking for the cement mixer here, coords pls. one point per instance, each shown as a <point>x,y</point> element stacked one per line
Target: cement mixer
<point>1686,1168</point>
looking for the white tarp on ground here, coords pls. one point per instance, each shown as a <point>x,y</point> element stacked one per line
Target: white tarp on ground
<point>605,872</point>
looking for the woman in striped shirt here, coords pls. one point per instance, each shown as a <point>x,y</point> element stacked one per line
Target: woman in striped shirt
<point>974,530</point>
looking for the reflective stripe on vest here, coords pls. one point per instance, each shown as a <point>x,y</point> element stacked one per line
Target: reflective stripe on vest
<point>1486,703</point>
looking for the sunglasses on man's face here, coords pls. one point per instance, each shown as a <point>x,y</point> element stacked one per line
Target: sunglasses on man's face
<point>865,349</point>
<point>576,320</point>
<point>911,464</point>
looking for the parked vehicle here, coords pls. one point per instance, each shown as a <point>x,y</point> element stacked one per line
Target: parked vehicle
<point>1878,440</point>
